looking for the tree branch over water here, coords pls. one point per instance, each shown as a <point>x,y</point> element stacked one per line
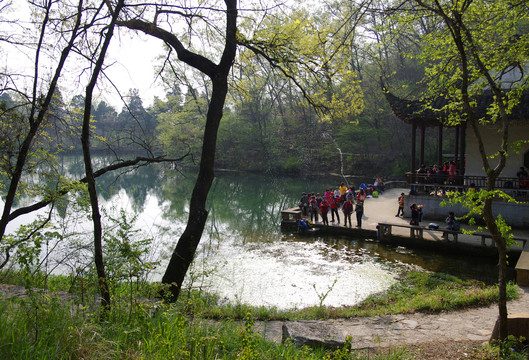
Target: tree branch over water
<point>142,161</point>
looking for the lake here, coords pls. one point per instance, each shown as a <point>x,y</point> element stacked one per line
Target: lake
<point>244,256</point>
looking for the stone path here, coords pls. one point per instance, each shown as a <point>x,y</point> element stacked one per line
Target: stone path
<point>400,330</point>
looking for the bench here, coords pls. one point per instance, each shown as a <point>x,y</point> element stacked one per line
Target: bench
<point>445,232</point>
<point>385,230</point>
<point>485,236</point>
<point>293,214</point>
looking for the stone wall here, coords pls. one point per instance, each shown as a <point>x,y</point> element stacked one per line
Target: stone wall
<point>517,215</point>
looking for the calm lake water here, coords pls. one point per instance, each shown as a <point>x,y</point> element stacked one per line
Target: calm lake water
<point>244,256</point>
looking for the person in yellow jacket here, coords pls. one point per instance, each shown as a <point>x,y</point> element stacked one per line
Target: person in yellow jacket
<point>343,190</point>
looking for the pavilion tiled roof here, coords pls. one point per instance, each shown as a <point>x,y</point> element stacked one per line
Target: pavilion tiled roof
<point>411,111</point>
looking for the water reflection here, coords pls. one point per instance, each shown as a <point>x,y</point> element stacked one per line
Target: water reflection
<point>289,274</point>
<point>245,257</point>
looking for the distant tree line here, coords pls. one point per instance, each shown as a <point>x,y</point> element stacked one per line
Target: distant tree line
<point>261,132</point>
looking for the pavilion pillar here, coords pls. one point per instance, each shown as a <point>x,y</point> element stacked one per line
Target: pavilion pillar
<point>456,145</point>
<point>422,144</point>
<point>462,158</point>
<point>413,146</point>
<point>440,146</point>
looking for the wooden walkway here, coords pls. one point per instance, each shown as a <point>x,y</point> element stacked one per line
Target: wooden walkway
<point>419,236</point>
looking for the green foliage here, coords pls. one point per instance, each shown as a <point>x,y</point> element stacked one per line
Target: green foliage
<point>180,126</point>
<point>323,295</point>
<point>345,352</point>
<point>512,348</point>
<point>474,201</point>
<point>293,165</point>
<point>126,250</point>
<point>46,327</point>
<point>432,292</point>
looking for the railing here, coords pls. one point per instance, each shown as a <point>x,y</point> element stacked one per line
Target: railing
<point>515,187</point>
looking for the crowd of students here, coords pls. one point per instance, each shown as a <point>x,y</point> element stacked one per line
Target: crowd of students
<point>343,197</point>
<point>437,174</point>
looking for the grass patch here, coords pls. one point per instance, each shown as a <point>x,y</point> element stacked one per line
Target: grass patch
<point>39,327</point>
<point>432,293</point>
<point>415,292</point>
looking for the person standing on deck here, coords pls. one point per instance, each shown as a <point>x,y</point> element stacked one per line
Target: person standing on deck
<point>319,199</point>
<point>328,194</point>
<point>361,196</point>
<point>324,209</point>
<point>304,204</point>
<point>452,171</point>
<point>400,211</point>
<point>347,209</point>
<point>313,208</point>
<point>415,218</point>
<point>343,190</point>
<point>335,203</point>
<point>359,213</point>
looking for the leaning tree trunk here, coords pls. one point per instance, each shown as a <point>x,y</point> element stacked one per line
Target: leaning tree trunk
<point>185,250</point>
<point>502,267</point>
<point>90,178</point>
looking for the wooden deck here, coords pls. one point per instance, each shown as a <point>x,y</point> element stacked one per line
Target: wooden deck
<point>421,237</point>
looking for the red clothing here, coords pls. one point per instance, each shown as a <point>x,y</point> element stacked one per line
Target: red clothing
<point>324,207</point>
<point>335,201</point>
<point>452,170</point>
<point>348,207</point>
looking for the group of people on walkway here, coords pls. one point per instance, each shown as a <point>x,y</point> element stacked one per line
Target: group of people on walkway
<point>343,197</point>
<point>438,174</point>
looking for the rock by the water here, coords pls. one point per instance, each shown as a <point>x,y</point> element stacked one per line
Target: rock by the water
<point>313,334</point>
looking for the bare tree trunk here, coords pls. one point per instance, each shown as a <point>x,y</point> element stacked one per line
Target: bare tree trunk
<point>90,179</point>
<point>185,250</point>
<point>502,266</point>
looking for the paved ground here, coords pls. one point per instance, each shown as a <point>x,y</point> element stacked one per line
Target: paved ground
<point>396,331</point>
<point>384,208</point>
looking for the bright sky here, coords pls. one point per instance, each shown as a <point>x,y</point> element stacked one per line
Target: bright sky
<point>134,69</point>
<point>131,61</point>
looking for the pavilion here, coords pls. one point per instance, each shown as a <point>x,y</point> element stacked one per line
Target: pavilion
<point>465,152</point>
